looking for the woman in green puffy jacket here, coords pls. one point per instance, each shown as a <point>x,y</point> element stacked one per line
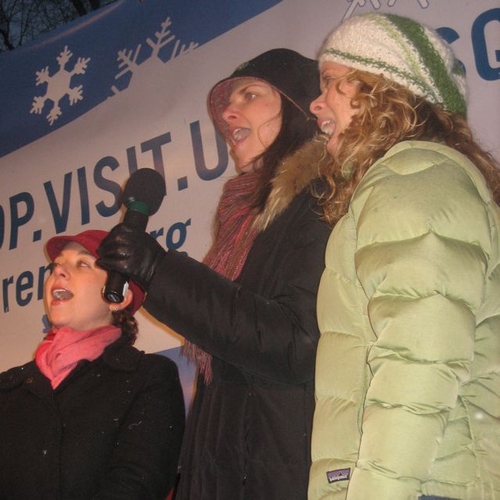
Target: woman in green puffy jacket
<point>408,364</point>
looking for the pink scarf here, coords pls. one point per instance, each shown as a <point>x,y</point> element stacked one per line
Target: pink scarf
<point>61,350</point>
<point>233,241</point>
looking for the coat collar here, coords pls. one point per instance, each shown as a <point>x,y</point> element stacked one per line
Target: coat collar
<point>119,356</point>
<point>296,173</point>
<point>18,375</point>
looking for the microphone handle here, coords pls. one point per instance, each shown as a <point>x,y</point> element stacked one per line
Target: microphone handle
<point>117,284</point>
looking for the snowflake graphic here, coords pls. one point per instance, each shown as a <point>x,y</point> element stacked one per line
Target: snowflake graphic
<point>376,4</point>
<point>127,59</point>
<point>59,85</point>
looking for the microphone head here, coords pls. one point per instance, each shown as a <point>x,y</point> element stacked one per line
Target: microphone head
<point>145,186</point>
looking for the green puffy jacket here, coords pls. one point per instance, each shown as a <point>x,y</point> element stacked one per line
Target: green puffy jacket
<point>408,364</point>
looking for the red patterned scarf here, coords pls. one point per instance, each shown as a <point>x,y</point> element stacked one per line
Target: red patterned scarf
<point>233,240</point>
<point>58,354</point>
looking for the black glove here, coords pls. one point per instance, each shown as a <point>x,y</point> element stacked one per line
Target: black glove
<point>131,252</point>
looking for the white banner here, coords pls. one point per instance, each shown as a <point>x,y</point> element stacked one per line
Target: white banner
<point>125,88</point>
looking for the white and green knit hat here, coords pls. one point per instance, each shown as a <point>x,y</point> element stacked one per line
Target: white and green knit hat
<point>403,51</point>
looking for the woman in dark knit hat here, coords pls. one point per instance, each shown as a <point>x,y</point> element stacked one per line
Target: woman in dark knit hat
<point>248,311</point>
<point>91,417</point>
<point>408,367</point>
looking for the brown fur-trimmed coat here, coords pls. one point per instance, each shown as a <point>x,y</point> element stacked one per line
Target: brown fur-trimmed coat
<point>249,429</point>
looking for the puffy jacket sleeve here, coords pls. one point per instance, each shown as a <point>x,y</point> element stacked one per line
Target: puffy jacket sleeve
<point>269,328</point>
<point>423,239</point>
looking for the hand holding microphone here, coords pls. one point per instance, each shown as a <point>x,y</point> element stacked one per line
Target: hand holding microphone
<point>128,252</point>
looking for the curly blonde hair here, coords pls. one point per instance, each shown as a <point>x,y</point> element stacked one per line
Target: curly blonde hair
<point>388,113</point>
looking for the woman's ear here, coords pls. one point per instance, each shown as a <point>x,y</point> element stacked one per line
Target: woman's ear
<point>127,300</point>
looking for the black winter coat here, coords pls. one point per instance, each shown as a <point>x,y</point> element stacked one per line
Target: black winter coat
<point>111,430</point>
<point>248,434</point>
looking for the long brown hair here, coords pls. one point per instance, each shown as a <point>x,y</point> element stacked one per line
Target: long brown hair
<point>124,320</point>
<point>388,113</point>
<point>296,129</point>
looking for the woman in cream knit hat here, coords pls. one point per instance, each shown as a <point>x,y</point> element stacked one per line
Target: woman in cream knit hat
<point>407,375</point>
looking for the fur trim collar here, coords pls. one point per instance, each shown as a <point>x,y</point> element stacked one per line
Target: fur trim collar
<point>296,173</point>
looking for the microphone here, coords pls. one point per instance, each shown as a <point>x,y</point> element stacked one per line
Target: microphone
<point>142,196</point>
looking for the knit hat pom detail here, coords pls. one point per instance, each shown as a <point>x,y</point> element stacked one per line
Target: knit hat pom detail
<point>403,51</point>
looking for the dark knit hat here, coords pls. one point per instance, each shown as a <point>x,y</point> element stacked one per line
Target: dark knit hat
<point>90,240</point>
<point>294,76</point>
<point>403,51</point>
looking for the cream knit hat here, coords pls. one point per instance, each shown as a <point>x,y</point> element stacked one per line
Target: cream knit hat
<point>403,51</point>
